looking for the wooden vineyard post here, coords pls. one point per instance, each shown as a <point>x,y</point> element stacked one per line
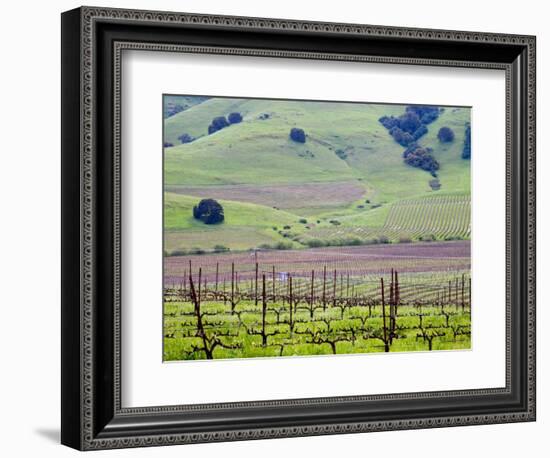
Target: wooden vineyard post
<point>200,327</point>
<point>273,283</point>
<point>264,310</point>
<point>392,302</point>
<point>291,306</point>
<point>232,287</point>
<point>200,275</point>
<point>386,346</point>
<point>391,290</point>
<point>394,294</point>
<point>311,297</point>
<point>456,293</point>
<point>397,293</point>
<point>391,309</point>
<point>334,290</point>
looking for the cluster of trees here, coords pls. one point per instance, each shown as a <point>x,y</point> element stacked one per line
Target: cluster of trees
<point>418,156</point>
<point>221,122</point>
<point>277,246</point>
<point>209,211</point>
<point>426,113</point>
<point>196,250</point>
<point>410,126</point>
<point>174,109</point>
<point>467,150</point>
<point>405,138</point>
<point>298,135</point>
<point>346,241</point>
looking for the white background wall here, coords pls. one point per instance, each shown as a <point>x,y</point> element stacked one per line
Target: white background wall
<point>30,214</point>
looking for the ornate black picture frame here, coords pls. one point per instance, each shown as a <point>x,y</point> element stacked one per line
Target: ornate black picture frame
<point>92,42</point>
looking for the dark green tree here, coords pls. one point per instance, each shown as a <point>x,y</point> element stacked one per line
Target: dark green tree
<point>234,118</point>
<point>298,135</point>
<point>467,150</point>
<point>185,138</point>
<point>218,123</point>
<point>209,211</point>
<point>446,135</point>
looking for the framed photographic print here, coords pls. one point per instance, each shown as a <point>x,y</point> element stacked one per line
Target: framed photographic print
<point>277,228</point>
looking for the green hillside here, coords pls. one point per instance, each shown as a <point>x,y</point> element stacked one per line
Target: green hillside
<point>236,214</point>
<point>345,143</point>
<point>259,151</point>
<point>246,225</point>
<point>252,153</point>
<point>438,217</point>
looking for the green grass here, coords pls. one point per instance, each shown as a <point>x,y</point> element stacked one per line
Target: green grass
<point>180,330</point>
<point>178,214</point>
<point>259,151</point>
<point>252,153</point>
<point>245,226</point>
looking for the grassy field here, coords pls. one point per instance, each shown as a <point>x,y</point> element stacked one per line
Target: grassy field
<point>347,181</point>
<point>335,330</point>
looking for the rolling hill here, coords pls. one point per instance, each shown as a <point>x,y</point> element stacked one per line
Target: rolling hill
<point>252,161</point>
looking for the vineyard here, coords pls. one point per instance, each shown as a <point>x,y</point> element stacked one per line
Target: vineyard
<point>444,217</point>
<point>441,216</point>
<point>267,312</point>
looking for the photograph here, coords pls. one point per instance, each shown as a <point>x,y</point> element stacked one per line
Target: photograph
<point>273,227</point>
<point>312,227</point>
